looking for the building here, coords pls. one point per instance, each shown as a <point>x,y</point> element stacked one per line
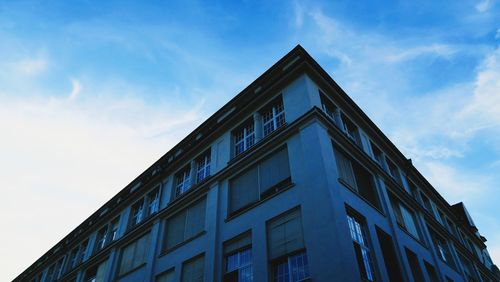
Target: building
<point>289,181</point>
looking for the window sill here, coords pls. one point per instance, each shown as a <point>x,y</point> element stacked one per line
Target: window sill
<point>171,249</point>
<point>243,210</point>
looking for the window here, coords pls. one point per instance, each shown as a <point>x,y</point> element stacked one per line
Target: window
<point>182,181</point>
<point>238,259</point>
<point>350,129</point>
<point>416,271</point>
<point>404,217</point>
<point>273,117</point>
<point>357,178</point>
<point>426,202</point>
<point>442,248</point>
<point>73,258</point>
<point>185,225</point>
<point>83,251</point>
<point>193,270</point>
<point>115,224</point>
<point>153,201</point>
<point>244,137</point>
<point>359,237</point>
<point>96,273</point>
<point>469,272</point>
<point>101,238</point>
<point>134,255</point>
<point>431,272</point>
<point>54,271</point>
<point>286,247</point>
<point>413,189</point>
<point>393,171</point>
<point>327,106</point>
<point>137,213</point>
<point>292,268</point>
<point>389,254</point>
<point>203,167</point>
<point>377,154</point>
<point>145,207</point>
<point>259,181</point>
<point>168,276</point>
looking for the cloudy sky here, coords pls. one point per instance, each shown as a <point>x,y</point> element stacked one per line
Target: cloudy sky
<point>92,93</point>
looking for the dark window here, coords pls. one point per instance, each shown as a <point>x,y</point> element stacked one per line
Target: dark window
<point>390,258</point>
<point>327,106</point>
<point>469,272</point>
<point>185,225</point>
<point>259,181</point>
<point>361,244</point>
<point>393,171</point>
<point>427,203</point>
<point>404,216</point>
<point>238,259</point>
<point>416,271</point>
<point>83,251</point>
<point>167,276</point>
<point>134,254</point>
<point>442,248</point>
<point>273,116</point>
<point>350,129</point>
<point>357,178</point>
<point>193,270</point>
<point>377,154</point>
<point>431,272</point>
<point>96,273</point>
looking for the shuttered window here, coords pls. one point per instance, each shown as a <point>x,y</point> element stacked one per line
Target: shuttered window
<point>193,270</point>
<point>185,224</point>
<point>259,181</point>
<point>166,276</point>
<point>284,234</point>
<point>134,254</point>
<point>244,189</point>
<point>356,177</point>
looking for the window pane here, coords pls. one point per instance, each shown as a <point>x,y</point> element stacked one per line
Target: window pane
<point>244,189</point>
<point>274,170</point>
<point>175,229</point>
<point>285,234</point>
<point>134,254</point>
<point>195,222</point>
<point>166,277</point>
<point>192,271</point>
<point>344,168</point>
<point>238,243</point>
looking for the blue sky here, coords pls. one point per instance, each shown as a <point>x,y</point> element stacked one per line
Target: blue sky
<point>92,93</point>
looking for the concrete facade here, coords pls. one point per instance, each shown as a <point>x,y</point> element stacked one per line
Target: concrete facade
<point>316,187</point>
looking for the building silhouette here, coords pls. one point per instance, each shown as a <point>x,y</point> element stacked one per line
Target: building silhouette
<point>289,181</point>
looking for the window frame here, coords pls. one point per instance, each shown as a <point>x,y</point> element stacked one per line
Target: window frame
<point>244,136</point>
<point>273,116</point>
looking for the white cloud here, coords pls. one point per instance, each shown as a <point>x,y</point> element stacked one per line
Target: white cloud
<point>63,158</point>
<point>441,50</point>
<point>76,88</point>
<point>483,5</point>
<point>456,185</point>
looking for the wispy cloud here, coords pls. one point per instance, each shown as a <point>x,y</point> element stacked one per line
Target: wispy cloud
<point>484,5</point>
